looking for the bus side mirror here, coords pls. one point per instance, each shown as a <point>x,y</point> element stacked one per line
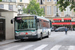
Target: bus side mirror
<point>37,20</point>
<point>11,21</point>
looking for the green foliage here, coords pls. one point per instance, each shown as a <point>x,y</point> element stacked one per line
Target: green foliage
<point>34,8</point>
<point>62,4</point>
<point>0,0</point>
<point>74,10</point>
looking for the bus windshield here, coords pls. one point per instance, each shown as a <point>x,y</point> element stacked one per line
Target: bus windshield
<point>24,23</point>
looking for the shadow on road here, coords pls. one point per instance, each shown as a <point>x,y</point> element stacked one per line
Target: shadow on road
<point>29,40</point>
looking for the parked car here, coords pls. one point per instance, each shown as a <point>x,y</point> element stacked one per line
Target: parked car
<point>52,29</point>
<point>74,29</point>
<point>60,29</point>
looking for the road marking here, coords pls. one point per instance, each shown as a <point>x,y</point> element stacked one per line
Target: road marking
<point>9,48</point>
<point>26,47</point>
<point>71,48</point>
<point>41,47</point>
<point>56,47</point>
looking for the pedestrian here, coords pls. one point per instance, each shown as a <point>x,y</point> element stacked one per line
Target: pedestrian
<point>66,30</point>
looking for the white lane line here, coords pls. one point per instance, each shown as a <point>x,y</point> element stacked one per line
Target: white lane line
<point>56,47</point>
<point>26,47</point>
<point>9,48</point>
<point>41,47</point>
<point>71,48</point>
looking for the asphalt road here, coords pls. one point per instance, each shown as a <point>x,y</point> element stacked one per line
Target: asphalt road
<point>56,41</point>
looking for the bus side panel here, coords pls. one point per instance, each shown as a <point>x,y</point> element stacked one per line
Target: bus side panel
<point>45,27</point>
<point>39,33</point>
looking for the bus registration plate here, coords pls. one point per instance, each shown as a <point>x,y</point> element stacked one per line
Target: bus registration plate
<point>25,37</point>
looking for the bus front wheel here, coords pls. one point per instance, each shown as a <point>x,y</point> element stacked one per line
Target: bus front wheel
<point>22,39</point>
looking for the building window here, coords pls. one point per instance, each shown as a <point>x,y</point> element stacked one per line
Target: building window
<point>67,15</point>
<point>49,0</point>
<point>1,6</point>
<point>54,0</point>
<point>3,0</point>
<point>9,0</point>
<point>11,7</point>
<point>67,12</point>
<point>55,9</point>
<point>20,0</point>
<point>48,10</point>
<point>59,11</point>
<point>57,21</point>
<point>43,0</point>
<point>38,0</point>
<point>74,15</point>
<point>13,0</point>
<point>67,20</point>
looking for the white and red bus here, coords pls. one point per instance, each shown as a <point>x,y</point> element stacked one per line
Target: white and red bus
<point>31,26</point>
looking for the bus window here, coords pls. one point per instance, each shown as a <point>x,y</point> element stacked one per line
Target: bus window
<point>39,25</point>
<point>24,23</point>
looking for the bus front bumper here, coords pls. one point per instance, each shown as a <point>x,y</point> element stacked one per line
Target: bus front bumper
<point>26,37</point>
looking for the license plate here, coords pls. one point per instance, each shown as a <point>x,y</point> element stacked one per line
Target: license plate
<point>25,38</point>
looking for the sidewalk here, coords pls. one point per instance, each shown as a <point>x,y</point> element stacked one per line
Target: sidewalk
<point>6,42</point>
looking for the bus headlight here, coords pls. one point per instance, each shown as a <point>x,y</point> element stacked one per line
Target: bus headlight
<point>33,32</point>
<point>17,33</point>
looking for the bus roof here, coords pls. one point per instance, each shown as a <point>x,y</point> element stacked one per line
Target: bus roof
<point>25,15</point>
<point>43,18</point>
<point>33,15</point>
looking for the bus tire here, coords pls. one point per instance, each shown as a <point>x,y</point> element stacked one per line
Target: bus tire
<point>22,39</point>
<point>48,35</point>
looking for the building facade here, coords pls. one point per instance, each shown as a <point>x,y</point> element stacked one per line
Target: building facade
<point>21,4</point>
<point>8,10</point>
<point>57,17</point>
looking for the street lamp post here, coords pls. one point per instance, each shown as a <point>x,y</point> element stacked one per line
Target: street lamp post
<point>57,15</point>
<point>19,9</point>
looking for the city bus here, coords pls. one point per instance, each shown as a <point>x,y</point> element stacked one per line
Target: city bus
<point>31,27</point>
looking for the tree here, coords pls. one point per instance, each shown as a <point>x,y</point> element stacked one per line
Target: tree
<point>0,0</point>
<point>62,4</point>
<point>34,8</point>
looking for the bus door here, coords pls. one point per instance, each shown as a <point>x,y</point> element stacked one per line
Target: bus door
<point>2,29</point>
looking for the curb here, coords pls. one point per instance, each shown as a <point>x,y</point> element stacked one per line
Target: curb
<point>5,43</point>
